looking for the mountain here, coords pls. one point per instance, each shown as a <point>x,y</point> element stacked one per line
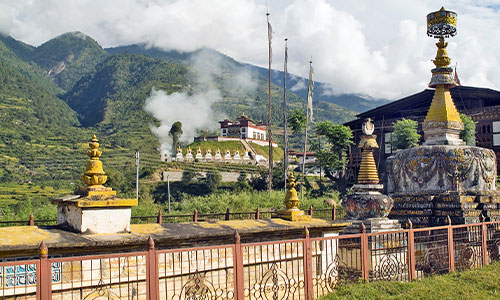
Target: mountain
<point>323,92</point>
<point>21,50</point>
<point>296,84</point>
<point>112,98</point>
<point>34,122</point>
<point>27,96</point>
<point>68,57</point>
<point>52,97</point>
<point>237,101</point>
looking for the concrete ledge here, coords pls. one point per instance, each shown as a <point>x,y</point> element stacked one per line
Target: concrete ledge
<point>23,241</point>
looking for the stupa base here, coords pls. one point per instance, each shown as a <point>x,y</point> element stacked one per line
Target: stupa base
<point>85,215</point>
<point>426,210</point>
<point>293,215</point>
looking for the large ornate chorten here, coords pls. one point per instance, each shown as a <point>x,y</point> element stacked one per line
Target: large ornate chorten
<point>443,177</point>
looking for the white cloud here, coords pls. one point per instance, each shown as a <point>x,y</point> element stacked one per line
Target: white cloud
<point>377,48</point>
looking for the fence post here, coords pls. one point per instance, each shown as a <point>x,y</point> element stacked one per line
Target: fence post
<point>451,251</point>
<point>364,253</point>
<point>239,284</point>
<point>484,240</point>
<point>308,276</point>
<point>152,280</point>
<point>257,214</point>
<point>160,217</point>
<point>411,250</point>
<point>227,214</point>
<point>334,213</point>
<point>195,215</point>
<point>31,221</point>
<point>44,275</point>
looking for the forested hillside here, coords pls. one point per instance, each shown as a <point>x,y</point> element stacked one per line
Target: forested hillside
<point>52,97</point>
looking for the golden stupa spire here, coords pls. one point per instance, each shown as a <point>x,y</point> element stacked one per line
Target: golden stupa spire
<point>442,107</point>
<point>368,170</point>
<point>442,125</point>
<point>292,211</point>
<point>94,174</point>
<point>291,199</point>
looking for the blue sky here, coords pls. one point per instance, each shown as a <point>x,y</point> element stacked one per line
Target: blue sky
<point>378,48</point>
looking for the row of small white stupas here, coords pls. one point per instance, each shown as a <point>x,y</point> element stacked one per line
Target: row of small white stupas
<point>236,157</point>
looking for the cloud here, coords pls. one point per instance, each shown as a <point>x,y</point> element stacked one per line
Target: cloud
<point>193,111</point>
<point>377,48</point>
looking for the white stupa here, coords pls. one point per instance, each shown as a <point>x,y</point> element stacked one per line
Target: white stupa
<point>189,155</point>
<point>228,157</point>
<point>208,155</point>
<point>218,157</point>
<point>237,157</point>
<point>199,156</point>
<point>246,157</point>
<point>178,155</point>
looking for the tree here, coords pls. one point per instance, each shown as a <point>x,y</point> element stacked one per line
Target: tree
<point>242,183</point>
<point>278,176</point>
<point>259,181</point>
<point>175,132</point>
<point>405,134</point>
<point>468,135</point>
<point>332,153</point>
<point>188,176</point>
<point>297,121</point>
<point>214,179</point>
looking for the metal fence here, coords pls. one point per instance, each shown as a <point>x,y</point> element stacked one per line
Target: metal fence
<point>322,213</point>
<point>303,268</point>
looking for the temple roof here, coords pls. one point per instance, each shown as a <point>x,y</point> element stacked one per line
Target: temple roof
<point>465,97</point>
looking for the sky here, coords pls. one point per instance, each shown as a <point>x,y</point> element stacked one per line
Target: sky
<point>376,48</point>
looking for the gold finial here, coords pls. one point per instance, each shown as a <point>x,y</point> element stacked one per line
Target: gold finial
<point>442,59</point>
<point>292,211</point>
<point>291,199</point>
<point>94,174</point>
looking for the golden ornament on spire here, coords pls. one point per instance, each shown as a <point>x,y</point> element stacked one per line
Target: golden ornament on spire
<point>291,199</point>
<point>292,211</point>
<point>94,175</point>
<point>368,170</point>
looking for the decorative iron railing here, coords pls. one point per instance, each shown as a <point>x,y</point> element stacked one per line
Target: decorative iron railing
<point>303,268</point>
<point>320,213</point>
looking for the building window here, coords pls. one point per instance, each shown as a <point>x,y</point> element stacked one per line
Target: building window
<point>243,136</point>
<point>387,142</point>
<point>496,127</point>
<point>255,135</point>
<point>243,129</point>
<point>496,139</point>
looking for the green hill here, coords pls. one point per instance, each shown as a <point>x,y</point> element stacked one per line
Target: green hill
<point>52,97</point>
<point>236,102</point>
<point>69,57</point>
<point>322,91</point>
<point>34,122</point>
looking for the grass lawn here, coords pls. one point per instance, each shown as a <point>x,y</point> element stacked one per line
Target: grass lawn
<point>475,284</point>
